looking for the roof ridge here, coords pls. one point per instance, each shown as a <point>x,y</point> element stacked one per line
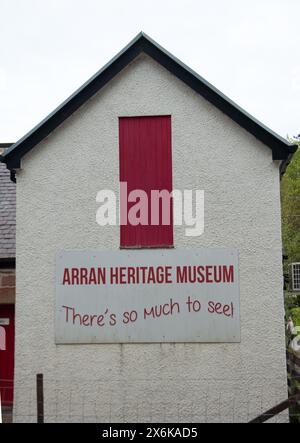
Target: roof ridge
<point>281,148</point>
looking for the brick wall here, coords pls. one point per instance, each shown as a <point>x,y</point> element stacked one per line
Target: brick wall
<point>7,286</point>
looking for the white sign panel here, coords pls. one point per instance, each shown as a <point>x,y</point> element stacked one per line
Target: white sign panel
<point>147,296</point>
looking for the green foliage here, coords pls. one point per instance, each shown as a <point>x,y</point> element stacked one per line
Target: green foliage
<point>295,314</point>
<point>290,201</point>
<point>291,301</point>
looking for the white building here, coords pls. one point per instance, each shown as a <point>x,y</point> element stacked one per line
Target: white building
<point>63,163</point>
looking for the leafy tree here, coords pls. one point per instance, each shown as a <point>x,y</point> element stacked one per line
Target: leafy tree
<point>290,201</point>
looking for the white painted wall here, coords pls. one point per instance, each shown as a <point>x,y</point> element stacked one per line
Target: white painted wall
<point>56,209</point>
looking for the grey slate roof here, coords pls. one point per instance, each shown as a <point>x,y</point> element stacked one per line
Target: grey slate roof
<point>7,214</point>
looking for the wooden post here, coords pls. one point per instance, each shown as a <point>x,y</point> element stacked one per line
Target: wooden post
<point>40,398</point>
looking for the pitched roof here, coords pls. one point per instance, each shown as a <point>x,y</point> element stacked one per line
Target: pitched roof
<point>281,149</point>
<point>7,213</point>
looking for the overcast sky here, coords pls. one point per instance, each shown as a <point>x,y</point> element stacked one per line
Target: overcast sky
<point>249,49</point>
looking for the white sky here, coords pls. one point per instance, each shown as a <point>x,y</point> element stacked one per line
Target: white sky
<point>249,49</point>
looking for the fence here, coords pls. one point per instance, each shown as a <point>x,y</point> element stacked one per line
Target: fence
<point>293,402</point>
<point>293,368</point>
<point>215,401</point>
<point>72,400</point>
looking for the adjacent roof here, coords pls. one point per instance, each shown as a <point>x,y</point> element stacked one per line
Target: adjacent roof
<point>281,149</point>
<point>7,213</point>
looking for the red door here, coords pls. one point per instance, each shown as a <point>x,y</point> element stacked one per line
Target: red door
<point>7,322</point>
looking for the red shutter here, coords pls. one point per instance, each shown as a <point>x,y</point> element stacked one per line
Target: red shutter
<point>146,164</point>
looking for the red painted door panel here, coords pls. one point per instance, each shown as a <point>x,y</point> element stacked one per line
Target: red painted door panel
<point>7,312</point>
<point>146,164</point>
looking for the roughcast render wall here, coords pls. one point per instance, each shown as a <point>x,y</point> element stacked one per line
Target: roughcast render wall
<point>56,208</point>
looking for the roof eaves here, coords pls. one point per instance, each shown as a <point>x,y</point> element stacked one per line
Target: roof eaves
<point>281,148</point>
